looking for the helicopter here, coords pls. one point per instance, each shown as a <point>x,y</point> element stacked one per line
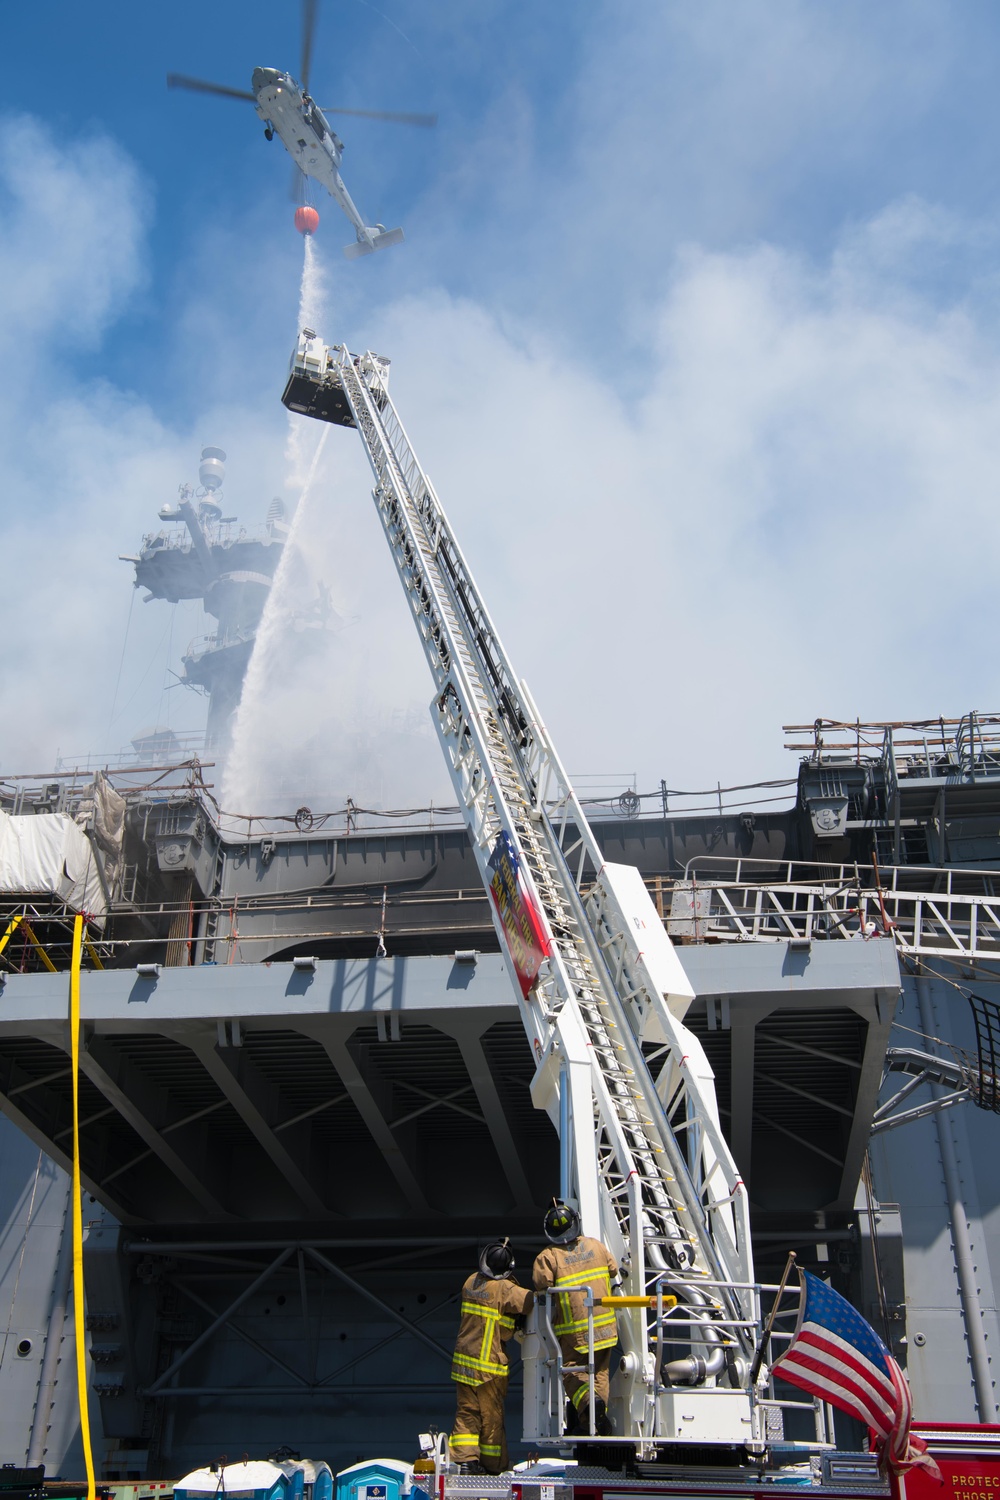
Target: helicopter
<point>289,112</point>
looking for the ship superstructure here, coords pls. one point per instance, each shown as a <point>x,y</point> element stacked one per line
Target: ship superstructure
<point>209,556</point>
<point>272,1110</point>
<point>262,1088</point>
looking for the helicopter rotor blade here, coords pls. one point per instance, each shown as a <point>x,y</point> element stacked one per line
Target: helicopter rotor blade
<point>308,33</point>
<point>200,86</point>
<point>386,114</point>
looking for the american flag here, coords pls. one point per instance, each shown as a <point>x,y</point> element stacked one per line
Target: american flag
<point>836,1355</point>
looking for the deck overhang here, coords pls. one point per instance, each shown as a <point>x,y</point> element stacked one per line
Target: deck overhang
<point>340,1097</point>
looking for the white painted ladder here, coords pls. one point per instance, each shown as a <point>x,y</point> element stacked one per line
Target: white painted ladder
<point>653,1174</point>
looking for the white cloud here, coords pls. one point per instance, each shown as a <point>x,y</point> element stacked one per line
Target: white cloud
<point>86,464</point>
<point>782,505</point>
<point>786,507</point>
<point>567,192</point>
<point>72,224</point>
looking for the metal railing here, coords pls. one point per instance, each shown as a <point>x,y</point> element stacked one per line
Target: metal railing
<point>673,1323</point>
<point>730,904</point>
<point>967,748</point>
<point>217,534</point>
<point>202,645</point>
<point>926,911</point>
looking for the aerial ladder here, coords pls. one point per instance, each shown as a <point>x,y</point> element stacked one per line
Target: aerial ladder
<point>602,993</point>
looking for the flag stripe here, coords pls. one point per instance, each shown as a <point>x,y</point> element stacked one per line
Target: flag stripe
<point>814,1333</point>
<point>902,1441</point>
<point>830,1390</point>
<point>835,1355</point>
<point>852,1373</point>
<point>808,1366</point>
<point>830,1383</point>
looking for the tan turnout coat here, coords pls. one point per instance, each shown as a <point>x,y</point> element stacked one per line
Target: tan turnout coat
<point>570,1269</point>
<point>489,1307</point>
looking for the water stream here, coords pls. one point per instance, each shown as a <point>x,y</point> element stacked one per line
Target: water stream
<point>303,450</point>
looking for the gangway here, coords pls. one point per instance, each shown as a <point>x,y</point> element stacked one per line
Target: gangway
<point>601,992</point>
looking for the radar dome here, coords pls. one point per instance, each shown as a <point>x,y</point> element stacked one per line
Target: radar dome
<point>212,470</point>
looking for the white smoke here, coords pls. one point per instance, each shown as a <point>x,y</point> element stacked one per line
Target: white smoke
<point>276,646</point>
<point>318,722</point>
<point>274,651</point>
<point>782,506</point>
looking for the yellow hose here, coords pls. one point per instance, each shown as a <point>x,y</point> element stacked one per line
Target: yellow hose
<point>78,1318</point>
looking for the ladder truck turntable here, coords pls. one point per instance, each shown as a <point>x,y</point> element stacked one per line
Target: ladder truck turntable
<point>602,997</point>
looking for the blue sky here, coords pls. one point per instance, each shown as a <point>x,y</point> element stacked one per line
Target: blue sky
<point>579,145</point>
<point>695,327</point>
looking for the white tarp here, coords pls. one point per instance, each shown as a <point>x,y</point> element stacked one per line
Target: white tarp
<point>101,813</point>
<point>48,854</point>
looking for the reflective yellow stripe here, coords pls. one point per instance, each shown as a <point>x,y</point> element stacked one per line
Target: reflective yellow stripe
<point>579,1278</point>
<point>569,1324</point>
<point>577,1281</point>
<point>490,1449</point>
<point>477,1310</point>
<point>580,1344</point>
<point>486,1348</point>
<point>463,1440</point>
<point>483,1367</point>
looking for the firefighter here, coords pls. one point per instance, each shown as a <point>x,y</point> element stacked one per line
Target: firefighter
<point>571,1263</point>
<point>493,1305</point>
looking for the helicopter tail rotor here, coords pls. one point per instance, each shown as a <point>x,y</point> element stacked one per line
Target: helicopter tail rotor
<point>378,239</point>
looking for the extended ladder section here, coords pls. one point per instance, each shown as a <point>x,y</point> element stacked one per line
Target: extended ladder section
<point>601,991</point>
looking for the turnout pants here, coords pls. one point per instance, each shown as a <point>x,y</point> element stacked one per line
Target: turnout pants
<point>578,1384</point>
<point>478,1432</point>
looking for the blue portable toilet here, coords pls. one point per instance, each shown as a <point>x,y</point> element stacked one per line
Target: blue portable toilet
<point>308,1478</point>
<point>322,1485</point>
<point>254,1479</point>
<point>375,1479</point>
<point>260,1479</point>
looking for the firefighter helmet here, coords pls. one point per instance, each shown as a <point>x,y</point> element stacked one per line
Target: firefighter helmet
<point>496,1260</point>
<point>561,1223</point>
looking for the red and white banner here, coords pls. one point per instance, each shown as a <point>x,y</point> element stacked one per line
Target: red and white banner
<point>520,919</point>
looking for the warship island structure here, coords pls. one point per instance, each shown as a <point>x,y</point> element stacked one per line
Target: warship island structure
<point>306,1092</point>
<point>207,556</point>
